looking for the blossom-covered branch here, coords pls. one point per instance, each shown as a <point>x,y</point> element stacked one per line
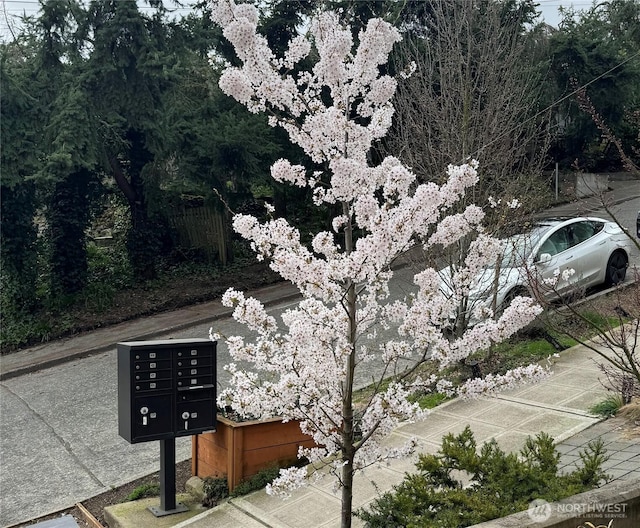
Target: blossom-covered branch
<point>304,366</point>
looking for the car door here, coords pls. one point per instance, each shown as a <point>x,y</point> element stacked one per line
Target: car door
<point>588,251</point>
<point>553,257</point>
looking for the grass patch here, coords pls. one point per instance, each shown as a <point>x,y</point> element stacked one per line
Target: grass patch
<point>517,352</point>
<point>143,491</point>
<point>429,401</point>
<point>601,320</point>
<point>608,407</point>
<point>521,350</point>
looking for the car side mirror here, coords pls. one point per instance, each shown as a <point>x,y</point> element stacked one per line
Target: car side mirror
<point>543,258</point>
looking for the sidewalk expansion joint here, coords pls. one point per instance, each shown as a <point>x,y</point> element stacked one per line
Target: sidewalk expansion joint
<point>246,512</point>
<point>557,408</point>
<point>64,443</point>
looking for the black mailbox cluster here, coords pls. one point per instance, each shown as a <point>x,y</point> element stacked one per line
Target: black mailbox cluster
<point>166,388</point>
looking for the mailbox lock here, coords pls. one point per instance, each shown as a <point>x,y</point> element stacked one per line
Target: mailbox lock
<point>144,411</point>
<point>185,417</point>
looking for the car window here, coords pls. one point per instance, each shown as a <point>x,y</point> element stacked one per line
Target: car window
<point>556,243</point>
<point>580,231</point>
<point>548,247</point>
<point>568,236</point>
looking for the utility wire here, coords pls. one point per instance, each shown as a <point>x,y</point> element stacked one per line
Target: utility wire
<point>556,103</point>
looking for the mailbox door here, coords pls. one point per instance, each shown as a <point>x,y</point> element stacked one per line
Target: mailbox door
<point>196,411</point>
<point>195,398</point>
<point>152,417</point>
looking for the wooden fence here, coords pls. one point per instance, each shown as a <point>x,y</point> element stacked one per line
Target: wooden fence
<point>202,228</point>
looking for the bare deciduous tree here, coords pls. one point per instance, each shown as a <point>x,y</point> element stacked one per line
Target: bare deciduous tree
<point>476,91</point>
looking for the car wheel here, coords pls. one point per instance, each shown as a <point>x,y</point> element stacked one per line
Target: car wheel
<point>616,268</point>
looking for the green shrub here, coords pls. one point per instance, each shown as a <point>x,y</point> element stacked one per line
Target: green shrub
<point>500,483</point>
<point>214,489</point>
<point>109,264</point>
<point>609,406</point>
<point>256,482</point>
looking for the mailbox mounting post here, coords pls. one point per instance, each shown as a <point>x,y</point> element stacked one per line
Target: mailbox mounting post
<point>166,389</point>
<point>168,503</point>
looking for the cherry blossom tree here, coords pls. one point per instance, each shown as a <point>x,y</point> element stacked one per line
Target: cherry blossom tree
<point>304,366</point>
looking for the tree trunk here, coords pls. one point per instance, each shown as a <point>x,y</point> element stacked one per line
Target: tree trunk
<point>67,218</point>
<point>348,449</point>
<point>143,241</point>
<point>347,493</point>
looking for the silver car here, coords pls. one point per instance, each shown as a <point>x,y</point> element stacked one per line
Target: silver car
<point>551,258</point>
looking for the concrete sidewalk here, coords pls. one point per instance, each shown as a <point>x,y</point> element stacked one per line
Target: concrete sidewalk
<point>559,406</point>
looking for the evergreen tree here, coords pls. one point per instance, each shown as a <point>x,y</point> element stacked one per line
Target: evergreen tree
<point>599,49</point>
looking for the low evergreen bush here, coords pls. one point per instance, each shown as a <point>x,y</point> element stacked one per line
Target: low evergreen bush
<point>215,490</point>
<point>256,482</point>
<point>461,485</point>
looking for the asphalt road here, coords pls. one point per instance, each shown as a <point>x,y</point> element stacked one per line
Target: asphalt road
<point>59,442</point>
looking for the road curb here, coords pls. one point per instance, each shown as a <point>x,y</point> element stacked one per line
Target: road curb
<point>58,360</point>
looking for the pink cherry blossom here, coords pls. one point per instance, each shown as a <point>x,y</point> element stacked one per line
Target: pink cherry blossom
<point>303,365</point>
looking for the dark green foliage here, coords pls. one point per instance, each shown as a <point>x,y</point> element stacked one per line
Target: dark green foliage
<point>133,66</point>
<point>109,264</point>
<point>18,248</point>
<point>500,483</point>
<point>598,47</point>
<point>283,21</point>
<point>109,271</point>
<point>145,244</point>
<point>19,115</point>
<point>214,489</point>
<point>256,482</point>
<point>590,474</point>
<point>68,218</point>
<point>70,170</point>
